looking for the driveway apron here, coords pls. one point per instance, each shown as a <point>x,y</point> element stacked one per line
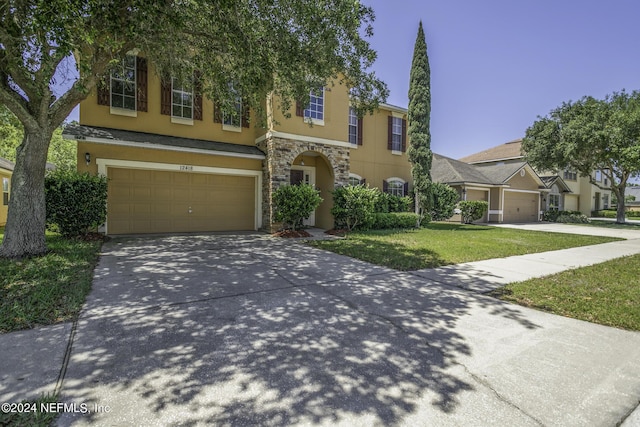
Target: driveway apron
<point>246,329</point>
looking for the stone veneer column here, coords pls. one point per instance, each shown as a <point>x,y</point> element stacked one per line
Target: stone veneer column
<point>280,154</point>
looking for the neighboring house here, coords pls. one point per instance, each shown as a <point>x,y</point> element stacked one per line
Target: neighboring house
<point>6,170</point>
<point>514,191</point>
<point>568,190</point>
<point>176,164</point>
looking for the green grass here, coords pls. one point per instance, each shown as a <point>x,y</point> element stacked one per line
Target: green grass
<point>33,417</point>
<point>607,293</point>
<point>48,289</point>
<point>442,244</point>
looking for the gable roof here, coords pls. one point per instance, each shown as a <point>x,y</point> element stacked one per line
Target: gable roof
<point>162,142</point>
<point>6,164</point>
<point>550,180</point>
<point>508,151</point>
<point>451,171</point>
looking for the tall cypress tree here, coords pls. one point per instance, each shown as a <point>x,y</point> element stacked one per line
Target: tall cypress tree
<point>419,114</point>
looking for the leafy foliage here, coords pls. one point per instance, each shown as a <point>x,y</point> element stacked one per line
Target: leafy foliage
<point>295,203</point>
<point>587,135</point>
<point>419,115</point>
<point>472,210</point>
<point>387,202</point>
<point>354,206</point>
<point>445,199</point>
<point>76,202</point>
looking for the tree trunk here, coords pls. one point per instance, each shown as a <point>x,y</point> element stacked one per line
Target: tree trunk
<point>620,217</point>
<point>25,229</point>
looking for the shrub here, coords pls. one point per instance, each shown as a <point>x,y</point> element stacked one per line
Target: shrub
<point>444,201</point>
<point>551,215</point>
<point>386,202</point>
<point>354,206</point>
<point>473,210</point>
<point>607,213</point>
<point>394,220</point>
<point>573,218</point>
<point>295,203</point>
<point>76,202</point>
<point>633,214</point>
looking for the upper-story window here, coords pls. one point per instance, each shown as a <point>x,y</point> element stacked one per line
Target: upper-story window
<point>353,126</point>
<point>181,99</point>
<point>598,175</point>
<point>5,191</point>
<point>315,111</point>
<point>570,175</point>
<point>234,118</point>
<point>123,84</point>
<point>396,134</point>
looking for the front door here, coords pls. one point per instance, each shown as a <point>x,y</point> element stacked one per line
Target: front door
<point>304,175</point>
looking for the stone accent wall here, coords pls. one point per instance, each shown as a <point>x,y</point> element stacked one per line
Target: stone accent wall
<point>280,154</point>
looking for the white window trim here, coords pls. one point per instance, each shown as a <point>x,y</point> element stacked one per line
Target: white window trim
<point>353,114</point>
<point>317,122</point>
<point>125,111</point>
<point>396,152</point>
<point>180,119</point>
<point>231,128</point>
<point>355,176</point>
<point>400,181</point>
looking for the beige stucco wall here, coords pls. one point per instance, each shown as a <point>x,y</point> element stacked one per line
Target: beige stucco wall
<point>372,160</point>
<point>4,209</point>
<point>105,151</point>
<point>92,114</point>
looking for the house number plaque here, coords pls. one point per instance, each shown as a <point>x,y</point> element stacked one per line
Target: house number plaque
<point>186,168</point>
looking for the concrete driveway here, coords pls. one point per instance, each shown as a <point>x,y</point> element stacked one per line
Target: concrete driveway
<point>249,330</point>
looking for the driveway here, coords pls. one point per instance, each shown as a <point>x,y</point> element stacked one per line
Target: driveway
<point>251,330</point>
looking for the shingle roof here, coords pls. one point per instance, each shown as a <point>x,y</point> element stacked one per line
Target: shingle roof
<point>157,141</point>
<point>447,170</point>
<point>510,150</point>
<point>6,164</point>
<point>500,172</point>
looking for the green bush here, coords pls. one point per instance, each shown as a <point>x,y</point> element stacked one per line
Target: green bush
<point>553,215</point>
<point>573,218</point>
<point>394,220</point>
<point>295,203</point>
<point>76,202</point>
<point>386,202</point>
<point>472,210</point>
<point>354,206</point>
<point>444,201</point>
<point>633,214</point>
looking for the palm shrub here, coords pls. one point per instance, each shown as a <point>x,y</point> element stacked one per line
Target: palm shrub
<point>295,203</point>
<point>354,206</point>
<point>76,203</point>
<point>445,199</point>
<point>473,210</point>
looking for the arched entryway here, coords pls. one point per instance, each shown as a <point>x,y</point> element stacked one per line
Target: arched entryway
<point>313,168</point>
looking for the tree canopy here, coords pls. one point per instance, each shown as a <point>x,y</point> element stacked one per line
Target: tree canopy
<point>587,135</point>
<point>419,116</point>
<point>281,47</point>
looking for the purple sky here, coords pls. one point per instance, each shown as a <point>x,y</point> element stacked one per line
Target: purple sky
<point>498,64</point>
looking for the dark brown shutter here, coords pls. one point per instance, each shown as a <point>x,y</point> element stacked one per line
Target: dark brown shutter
<point>165,97</point>
<point>245,114</point>
<point>404,135</point>
<point>197,96</point>
<point>360,131</point>
<point>141,84</point>
<point>363,181</point>
<point>385,186</point>
<point>406,188</point>
<point>299,109</point>
<point>390,133</point>
<point>104,90</point>
<point>217,114</point>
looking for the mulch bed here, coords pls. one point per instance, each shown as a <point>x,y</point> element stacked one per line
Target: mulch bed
<point>292,233</point>
<point>337,232</point>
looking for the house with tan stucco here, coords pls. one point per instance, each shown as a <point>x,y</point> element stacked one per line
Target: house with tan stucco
<point>6,170</point>
<point>175,163</point>
<point>568,190</point>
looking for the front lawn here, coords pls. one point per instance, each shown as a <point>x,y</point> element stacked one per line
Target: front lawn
<point>442,243</point>
<point>47,289</point>
<point>606,293</point>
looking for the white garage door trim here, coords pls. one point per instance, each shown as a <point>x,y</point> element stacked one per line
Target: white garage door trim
<point>104,164</point>
<point>504,190</point>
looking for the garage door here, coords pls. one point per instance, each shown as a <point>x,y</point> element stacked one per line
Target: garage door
<point>520,207</point>
<point>150,201</point>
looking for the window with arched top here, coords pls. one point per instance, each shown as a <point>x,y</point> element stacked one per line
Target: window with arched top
<point>396,186</point>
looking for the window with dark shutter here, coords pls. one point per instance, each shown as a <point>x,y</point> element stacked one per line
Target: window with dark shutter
<point>141,83</point>
<point>245,114</point>
<point>360,130</point>
<point>404,135</point>
<point>103,91</point>
<point>217,113</point>
<point>363,181</point>
<point>385,186</point>
<point>390,133</point>
<point>299,109</point>
<point>406,189</point>
<point>197,96</point>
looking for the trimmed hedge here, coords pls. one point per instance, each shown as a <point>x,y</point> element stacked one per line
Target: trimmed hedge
<point>612,213</point>
<point>472,210</point>
<point>394,220</point>
<point>295,203</point>
<point>353,206</point>
<point>386,202</point>
<point>76,202</point>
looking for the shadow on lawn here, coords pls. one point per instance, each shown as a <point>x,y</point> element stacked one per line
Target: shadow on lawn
<point>262,332</point>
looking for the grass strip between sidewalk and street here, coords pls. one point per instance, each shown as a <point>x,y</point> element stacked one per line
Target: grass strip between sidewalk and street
<point>441,244</point>
<point>48,289</point>
<point>606,293</point>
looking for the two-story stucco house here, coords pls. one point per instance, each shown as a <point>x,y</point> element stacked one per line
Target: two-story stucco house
<point>176,164</point>
<point>567,189</point>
